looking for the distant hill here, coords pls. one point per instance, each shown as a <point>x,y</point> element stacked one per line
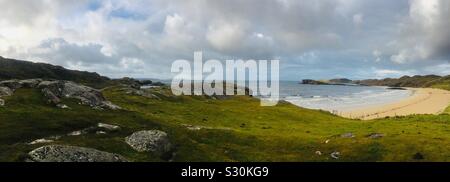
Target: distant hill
<point>336,81</point>
<point>340,80</point>
<point>16,69</point>
<point>408,81</point>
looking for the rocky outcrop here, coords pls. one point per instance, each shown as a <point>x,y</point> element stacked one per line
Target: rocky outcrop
<point>30,83</point>
<point>150,141</point>
<point>55,90</point>
<point>11,84</point>
<point>60,153</point>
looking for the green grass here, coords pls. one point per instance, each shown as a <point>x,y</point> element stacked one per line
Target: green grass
<point>235,129</point>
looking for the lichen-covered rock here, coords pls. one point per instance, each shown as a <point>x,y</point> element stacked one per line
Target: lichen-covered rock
<point>60,153</point>
<point>150,141</point>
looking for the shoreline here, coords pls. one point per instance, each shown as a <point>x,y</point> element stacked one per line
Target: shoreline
<point>422,101</point>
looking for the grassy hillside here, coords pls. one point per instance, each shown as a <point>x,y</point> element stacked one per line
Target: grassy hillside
<point>15,69</point>
<point>235,129</point>
<point>407,81</point>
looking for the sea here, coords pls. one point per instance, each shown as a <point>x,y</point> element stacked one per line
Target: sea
<point>336,98</point>
<point>339,98</point>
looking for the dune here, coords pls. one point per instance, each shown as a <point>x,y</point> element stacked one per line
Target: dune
<point>422,101</point>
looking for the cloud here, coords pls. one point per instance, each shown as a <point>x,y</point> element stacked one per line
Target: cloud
<point>143,37</point>
<point>425,32</point>
<point>358,19</point>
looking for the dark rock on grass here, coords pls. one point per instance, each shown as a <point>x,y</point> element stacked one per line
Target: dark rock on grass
<point>59,153</point>
<point>375,135</point>
<point>418,156</point>
<point>150,141</point>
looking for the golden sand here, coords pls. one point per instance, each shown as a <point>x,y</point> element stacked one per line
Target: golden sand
<point>423,101</point>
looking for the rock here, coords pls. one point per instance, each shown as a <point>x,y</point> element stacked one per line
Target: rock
<point>52,98</point>
<point>30,83</point>
<point>12,84</point>
<point>142,92</point>
<point>418,156</point>
<point>150,141</point>
<point>335,155</point>
<point>53,86</point>
<point>55,90</point>
<point>108,127</point>
<point>75,133</point>
<point>327,141</point>
<point>62,106</point>
<point>2,102</point>
<point>5,91</point>
<point>192,127</point>
<point>59,153</point>
<point>318,153</point>
<point>39,141</point>
<point>87,95</point>
<point>109,105</point>
<point>145,82</point>
<point>130,82</point>
<point>348,135</point>
<point>375,135</point>
<point>100,132</point>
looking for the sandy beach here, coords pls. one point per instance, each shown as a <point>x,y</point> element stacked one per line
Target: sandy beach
<point>422,101</point>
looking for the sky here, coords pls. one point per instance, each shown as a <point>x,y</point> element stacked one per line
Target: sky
<point>313,39</point>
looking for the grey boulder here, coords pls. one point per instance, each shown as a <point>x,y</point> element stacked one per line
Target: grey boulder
<point>60,153</point>
<point>150,141</point>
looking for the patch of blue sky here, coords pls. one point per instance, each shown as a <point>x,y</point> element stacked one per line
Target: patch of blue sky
<point>126,14</point>
<point>94,5</point>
